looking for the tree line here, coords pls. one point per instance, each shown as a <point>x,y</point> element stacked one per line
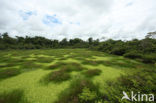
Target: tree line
<point>38,42</point>
<point>144,50</point>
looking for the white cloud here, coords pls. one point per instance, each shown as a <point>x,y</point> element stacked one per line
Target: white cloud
<point>117,19</point>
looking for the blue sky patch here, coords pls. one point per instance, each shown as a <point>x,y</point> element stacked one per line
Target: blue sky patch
<point>26,14</point>
<point>129,4</point>
<point>75,23</point>
<point>51,20</point>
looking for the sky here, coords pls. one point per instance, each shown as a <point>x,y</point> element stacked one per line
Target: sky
<point>58,19</point>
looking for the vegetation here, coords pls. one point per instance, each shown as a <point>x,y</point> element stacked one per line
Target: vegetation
<point>6,73</point>
<point>14,96</point>
<point>57,76</point>
<point>97,72</point>
<point>134,49</point>
<point>81,90</point>
<point>92,72</point>
<point>142,81</point>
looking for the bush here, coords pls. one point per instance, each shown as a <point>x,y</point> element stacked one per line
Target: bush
<point>12,97</point>
<point>118,51</point>
<point>58,76</point>
<point>56,65</point>
<point>68,67</point>
<point>6,73</point>
<point>2,46</point>
<point>78,92</point>
<point>143,81</point>
<point>149,59</point>
<point>133,55</point>
<point>87,95</point>
<point>92,72</point>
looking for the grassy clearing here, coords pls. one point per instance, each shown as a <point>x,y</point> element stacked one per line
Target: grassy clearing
<point>67,75</point>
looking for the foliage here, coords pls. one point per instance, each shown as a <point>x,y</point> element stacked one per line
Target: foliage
<point>67,91</point>
<point>87,95</point>
<point>131,49</point>
<point>14,96</point>
<point>57,76</point>
<point>67,67</point>
<point>151,58</point>
<point>133,55</point>
<point>6,73</point>
<point>77,93</point>
<point>142,81</point>
<point>92,72</point>
<point>118,51</point>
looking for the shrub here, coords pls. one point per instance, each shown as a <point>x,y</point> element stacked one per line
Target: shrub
<point>56,65</point>
<point>76,93</point>
<point>6,73</point>
<point>87,95</point>
<point>30,65</point>
<point>133,55</point>
<point>58,76</point>
<point>92,62</point>
<point>44,59</point>
<point>143,81</point>
<point>149,59</point>
<point>118,51</point>
<point>68,67</point>
<point>72,67</point>
<point>11,97</point>
<point>2,46</point>
<point>92,72</point>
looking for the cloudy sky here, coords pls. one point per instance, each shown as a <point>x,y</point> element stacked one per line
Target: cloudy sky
<point>57,19</point>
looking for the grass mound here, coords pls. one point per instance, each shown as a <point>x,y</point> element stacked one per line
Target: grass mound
<point>6,73</point>
<point>57,77</point>
<point>90,62</point>
<point>12,97</point>
<point>44,59</point>
<point>30,65</point>
<point>68,67</point>
<point>92,72</point>
<point>63,73</point>
<point>56,65</point>
<point>81,90</point>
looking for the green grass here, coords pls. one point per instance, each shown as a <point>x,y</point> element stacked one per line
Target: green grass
<point>74,93</point>
<point>92,72</point>
<point>15,96</point>
<point>56,77</point>
<point>7,73</point>
<point>62,72</point>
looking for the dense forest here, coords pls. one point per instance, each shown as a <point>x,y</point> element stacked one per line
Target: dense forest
<point>143,50</point>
